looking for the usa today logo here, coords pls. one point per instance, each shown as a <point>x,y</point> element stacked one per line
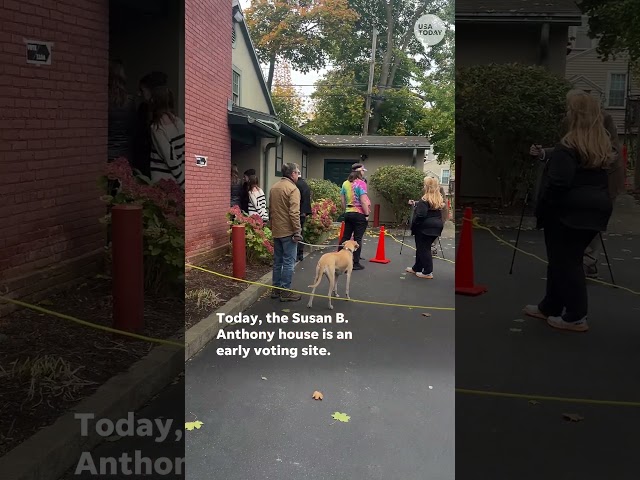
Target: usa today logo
<point>429,30</point>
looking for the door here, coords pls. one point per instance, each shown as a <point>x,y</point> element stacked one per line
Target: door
<point>337,171</point>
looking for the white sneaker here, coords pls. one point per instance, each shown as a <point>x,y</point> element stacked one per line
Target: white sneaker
<point>409,270</point>
<point>424,275</point>
<point>559,323</point>
<point>533,311</point>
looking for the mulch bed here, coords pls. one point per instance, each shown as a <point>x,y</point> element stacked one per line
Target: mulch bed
<point>68,361</point>
<point>213,291</point>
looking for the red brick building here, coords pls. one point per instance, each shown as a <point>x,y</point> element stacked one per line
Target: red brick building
<point>53,141</point>
<point>208,89</point>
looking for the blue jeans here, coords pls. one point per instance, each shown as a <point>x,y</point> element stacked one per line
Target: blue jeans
<point>284,261</point>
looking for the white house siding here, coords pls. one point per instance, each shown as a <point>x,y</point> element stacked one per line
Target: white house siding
<point>251,93</point>
<point>587,71</point>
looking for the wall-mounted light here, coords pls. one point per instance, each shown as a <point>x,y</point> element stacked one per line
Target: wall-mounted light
<point>238,17</point>
<point>363,157</point>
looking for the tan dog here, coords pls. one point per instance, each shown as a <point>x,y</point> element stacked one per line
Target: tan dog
<point>334,264</point>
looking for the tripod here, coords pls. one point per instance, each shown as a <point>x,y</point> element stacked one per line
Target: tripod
<point>515,250</point>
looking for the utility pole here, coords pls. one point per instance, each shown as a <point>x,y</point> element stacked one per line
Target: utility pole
<point>372,66</point>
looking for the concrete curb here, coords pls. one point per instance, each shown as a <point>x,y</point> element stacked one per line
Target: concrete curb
<point>198,336</point>
<point>55,449</point>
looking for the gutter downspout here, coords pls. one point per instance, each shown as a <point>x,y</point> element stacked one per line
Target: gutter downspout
<point>265,160</point>
<point>415,155</point>
<point>544,44</point>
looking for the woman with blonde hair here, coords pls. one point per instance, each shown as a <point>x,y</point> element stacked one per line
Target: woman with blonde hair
<point>573,206</point>
<point>426,226</point>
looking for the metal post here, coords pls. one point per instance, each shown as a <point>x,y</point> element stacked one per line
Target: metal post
<point>239,252</point>
<point>376,215</point>
<point>128,267</point>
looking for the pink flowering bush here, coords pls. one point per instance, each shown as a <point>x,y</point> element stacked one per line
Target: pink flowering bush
<point>258,237</point>
<point>163,215</point>
<point>322,214</point>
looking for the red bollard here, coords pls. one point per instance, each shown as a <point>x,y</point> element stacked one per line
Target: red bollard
<point>238,251</point>
<point>376,215</point>
<point>128,267</point>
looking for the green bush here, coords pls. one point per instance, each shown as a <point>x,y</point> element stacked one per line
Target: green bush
<point>398,184</point>
<point>325,190</point>
<point>506,108</point>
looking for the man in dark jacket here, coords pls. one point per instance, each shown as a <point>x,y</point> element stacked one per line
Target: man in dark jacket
<point>305,209</point>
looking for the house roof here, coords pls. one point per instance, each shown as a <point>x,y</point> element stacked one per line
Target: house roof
<point>252,54</point>
<point>564,11</point>
<point>275,125</point>
<point>370,141</point>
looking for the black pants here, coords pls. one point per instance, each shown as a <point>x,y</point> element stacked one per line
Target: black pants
<point>300,246</point>
<point>424,259</point>
<point>566,284</point>
<point>356,224</point>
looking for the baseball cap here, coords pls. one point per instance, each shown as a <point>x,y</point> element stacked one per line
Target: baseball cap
<point>358,166</point>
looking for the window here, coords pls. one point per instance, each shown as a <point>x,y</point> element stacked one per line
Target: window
<point>236,88</point>
<point>617,90</point>
<point>303,164</point>
<point>279,158</point>
<point>444,177</point>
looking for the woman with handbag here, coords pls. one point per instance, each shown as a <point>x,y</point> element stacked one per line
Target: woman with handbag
<point>573,206</point>
<point>426,226</point>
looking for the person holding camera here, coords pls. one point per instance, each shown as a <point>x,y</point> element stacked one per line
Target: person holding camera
<point>573,205</point>
<point>427,225</point>
<point>284,209</point>
<point>616,178</point>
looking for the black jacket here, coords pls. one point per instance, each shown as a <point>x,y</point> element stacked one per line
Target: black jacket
<point>576,196</point>
<point>426,220</point>
<point>305,197</point>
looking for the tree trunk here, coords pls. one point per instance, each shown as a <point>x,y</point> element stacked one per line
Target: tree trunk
<point>272,69</point>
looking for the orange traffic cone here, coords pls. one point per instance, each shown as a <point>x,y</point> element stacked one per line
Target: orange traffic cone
<point>380,255</point>
<point>340,236</point>
<point>464,260</point>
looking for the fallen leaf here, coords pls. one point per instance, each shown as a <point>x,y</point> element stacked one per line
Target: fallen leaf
<point>534,402</point>
<point>515,329</point>
<point>317,395</point>
<point>341,417</point>
<point>46,303</point>
<point>192,425</point>
<point>263,378</point>
<point>519,320</point>
<point>113,438</point>
<point>426,314</point>
<point>572,417</point>
<point>286,310</point>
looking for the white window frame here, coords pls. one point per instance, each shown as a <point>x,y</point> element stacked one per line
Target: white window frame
<point>442,182</point>
<point>236,71</point>
<point>608,90</point>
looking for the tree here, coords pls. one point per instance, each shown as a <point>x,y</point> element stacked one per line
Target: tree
<point>615,24</point>
<point>506,108</point>
<point>286,99</point>
<point>397,45</point>
<point>304,32</point>
<point>338,105</point>
<point>438,123</point>
<point>398,184</point>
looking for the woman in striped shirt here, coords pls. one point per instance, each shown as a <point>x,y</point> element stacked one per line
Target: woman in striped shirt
<point>257,199</point>
<point>167,138</point>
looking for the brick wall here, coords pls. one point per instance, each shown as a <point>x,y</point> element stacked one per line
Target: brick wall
<point>53,134</point>
<point>207,88</point>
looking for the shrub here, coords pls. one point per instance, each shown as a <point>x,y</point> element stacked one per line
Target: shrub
<point>506,108</point>
<point>398,184</point>
<point>320,221</point>
<point>325,189</point>
<point>258,237</point>
<point>163,221</point>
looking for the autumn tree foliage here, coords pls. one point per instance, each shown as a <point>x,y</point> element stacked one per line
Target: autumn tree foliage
<point>286,99</point>
<point>304,32</point>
